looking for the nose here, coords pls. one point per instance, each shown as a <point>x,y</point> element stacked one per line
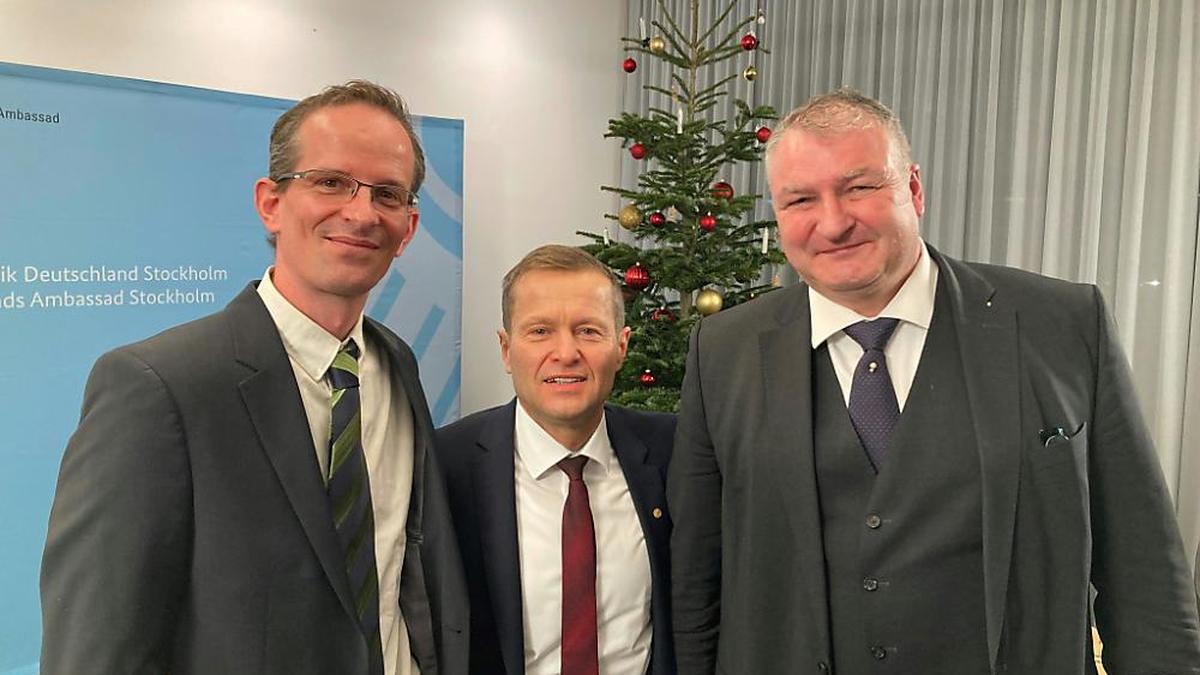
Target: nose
<point>565,347</point>
<point>359,208</point>
<point>833,221</point>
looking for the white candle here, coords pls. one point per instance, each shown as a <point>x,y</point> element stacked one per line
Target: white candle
<point>679,120</point>
<point>642,27</point>
<point>764,246</point>
<point>606,236</point>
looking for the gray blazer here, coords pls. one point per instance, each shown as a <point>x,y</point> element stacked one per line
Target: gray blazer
<point>190,531</point>
<point>747,562</point>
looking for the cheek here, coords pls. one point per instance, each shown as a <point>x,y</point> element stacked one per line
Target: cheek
<point>792,236</point>
<point>525,362</point>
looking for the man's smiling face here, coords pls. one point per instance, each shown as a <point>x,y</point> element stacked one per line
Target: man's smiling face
<point>563,348</point>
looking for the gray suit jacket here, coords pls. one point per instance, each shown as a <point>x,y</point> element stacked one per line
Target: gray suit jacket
<point>747,561</point>
<point>190,531</point>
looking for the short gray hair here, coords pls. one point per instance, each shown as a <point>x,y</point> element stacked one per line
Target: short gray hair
<point>843,110</point>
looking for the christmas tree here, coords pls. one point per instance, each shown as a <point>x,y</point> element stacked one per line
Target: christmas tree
<point>697,248</point>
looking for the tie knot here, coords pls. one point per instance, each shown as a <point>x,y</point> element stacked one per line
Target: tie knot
<point>872,334</point>
<point>573,466</point>
<point>343,372</point>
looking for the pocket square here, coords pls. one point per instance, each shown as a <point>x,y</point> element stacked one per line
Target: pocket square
<point>1052,435</point>
<point>1049,434</point>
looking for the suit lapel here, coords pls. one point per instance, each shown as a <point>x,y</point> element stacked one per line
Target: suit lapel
<point>415,604</point>
<point>787,395</point>
<point>987,333</point>
<point>645,480</point>
<point>496,510</point>
<point>647,487</point>
<point>273,403</point>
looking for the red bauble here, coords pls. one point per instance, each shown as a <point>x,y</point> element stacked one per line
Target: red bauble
<point>637,150</point>
<point>647,378</point>
<point>722,190</point>
<point>657,219</point>
<point>637,277</point>
<point>708,223</point>
<point>663,314</point>
<point>763,134</point>
<point>629,65</point>
<point>749,42</point>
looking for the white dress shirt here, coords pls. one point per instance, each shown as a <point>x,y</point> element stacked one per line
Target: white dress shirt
<point>622,561</point>
<point>912,305</point>
<point>387,438</point>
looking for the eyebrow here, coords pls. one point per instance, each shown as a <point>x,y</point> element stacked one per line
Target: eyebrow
<point>864,171</point>
<point>538,320</point>
<point>880,174</point>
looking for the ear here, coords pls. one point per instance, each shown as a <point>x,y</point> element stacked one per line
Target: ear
<point>504,350</point>
<point>915,189</point>
<point>623,342</point>
<point>411,223</point>
<point>266,202</point>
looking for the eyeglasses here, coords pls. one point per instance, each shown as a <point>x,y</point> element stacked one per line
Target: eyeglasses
<point>343,186</point>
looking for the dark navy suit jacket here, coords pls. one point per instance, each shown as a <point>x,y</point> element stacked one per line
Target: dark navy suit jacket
<point>476,454</point>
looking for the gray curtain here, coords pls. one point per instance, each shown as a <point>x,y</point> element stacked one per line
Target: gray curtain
<point>1059,136</point>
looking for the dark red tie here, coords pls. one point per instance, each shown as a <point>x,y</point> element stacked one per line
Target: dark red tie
<point>580,648</point>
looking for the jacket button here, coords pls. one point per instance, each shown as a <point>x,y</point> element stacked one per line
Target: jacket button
<point>657,513</point>
<point>879,653</point>
<point>874,521</point>
<point>821,666</point>
<point>870,584</point>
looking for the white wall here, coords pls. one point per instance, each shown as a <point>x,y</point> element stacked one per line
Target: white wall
<point>534,80</point>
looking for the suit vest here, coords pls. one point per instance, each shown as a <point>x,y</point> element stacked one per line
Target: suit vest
<point>904,547</point>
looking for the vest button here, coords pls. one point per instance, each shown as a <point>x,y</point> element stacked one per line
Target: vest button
<point>879,653</point>
<point>870,584</point>
<point>821,666</point>
<point>874,521</point>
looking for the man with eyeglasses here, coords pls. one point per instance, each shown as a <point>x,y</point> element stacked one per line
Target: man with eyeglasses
<point>254,492</point>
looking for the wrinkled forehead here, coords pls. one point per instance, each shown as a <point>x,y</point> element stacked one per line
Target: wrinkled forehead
<point>548,290</point>
<point>872,132</point>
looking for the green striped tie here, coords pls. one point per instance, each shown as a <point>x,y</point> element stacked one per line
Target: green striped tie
<point>349,491</point>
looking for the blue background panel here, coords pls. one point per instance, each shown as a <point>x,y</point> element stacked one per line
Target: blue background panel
<point>137,174</point>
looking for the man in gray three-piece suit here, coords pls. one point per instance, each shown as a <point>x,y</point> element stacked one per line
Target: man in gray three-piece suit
<point>911,464</point>
<point>254,491</point>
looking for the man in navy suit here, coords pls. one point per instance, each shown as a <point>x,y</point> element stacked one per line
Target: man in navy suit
<point>567,572</point>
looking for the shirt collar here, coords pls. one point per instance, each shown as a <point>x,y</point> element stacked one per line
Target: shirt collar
<point>913,303</point>
<point>309,345</point>
<point>541,453</point>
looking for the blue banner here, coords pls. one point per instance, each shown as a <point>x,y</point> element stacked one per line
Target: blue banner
<point>125,208</point>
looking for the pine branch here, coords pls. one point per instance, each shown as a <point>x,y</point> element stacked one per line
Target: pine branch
<point>675,29</point>
<point>724,15</point>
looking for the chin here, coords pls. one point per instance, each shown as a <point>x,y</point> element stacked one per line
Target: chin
<point>355,284</point>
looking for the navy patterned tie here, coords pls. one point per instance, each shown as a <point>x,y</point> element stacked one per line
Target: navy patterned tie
<point>349,490</point>
<point>873,407</point>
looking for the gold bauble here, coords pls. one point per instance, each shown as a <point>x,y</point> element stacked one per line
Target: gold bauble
<point>657,45</point>
<point>629,217</point>
<point>750,73</point>
<point>709,302</point>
